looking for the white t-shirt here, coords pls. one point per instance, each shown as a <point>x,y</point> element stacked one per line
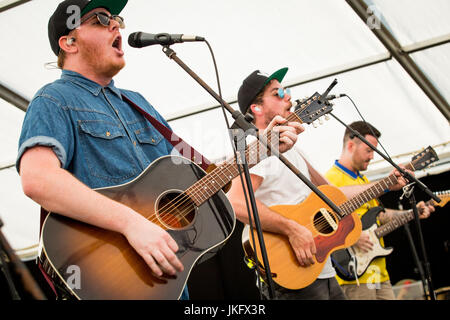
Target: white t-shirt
<point>282,186</point>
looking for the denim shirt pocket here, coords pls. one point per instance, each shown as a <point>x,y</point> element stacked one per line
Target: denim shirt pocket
<point>107,151</point>
<point>148,135</point>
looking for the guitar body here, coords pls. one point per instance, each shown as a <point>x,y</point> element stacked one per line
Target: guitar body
<point>344,257</point>
<point>365,258</point>
<point>284,266</point>
<point>106,265</point>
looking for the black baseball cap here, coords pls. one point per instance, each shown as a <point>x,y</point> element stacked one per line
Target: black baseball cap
<point>65,19</point>
<point>254,84</point>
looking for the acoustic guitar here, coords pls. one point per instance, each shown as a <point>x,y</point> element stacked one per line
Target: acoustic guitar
<point>331,231</point>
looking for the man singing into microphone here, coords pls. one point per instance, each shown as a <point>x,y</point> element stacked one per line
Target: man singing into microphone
<point>78,133</point>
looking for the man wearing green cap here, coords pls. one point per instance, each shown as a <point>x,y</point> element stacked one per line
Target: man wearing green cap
<point>79,133</point>
<point>264,97</point>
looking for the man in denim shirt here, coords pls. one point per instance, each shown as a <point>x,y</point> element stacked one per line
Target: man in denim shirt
<point>79,134</point>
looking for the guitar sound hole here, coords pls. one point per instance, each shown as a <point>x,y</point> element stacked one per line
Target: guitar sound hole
<point>321,223</point>
<point>176,210</point>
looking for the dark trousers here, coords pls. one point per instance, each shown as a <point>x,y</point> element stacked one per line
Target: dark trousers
<point>321,289</point>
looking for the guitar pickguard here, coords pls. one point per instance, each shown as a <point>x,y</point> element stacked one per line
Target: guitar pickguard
<point>365,258</point>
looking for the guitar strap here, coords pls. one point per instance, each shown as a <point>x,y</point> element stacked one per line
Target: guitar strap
<point>182,147</point>
<point>179,144</point>
<point>316,178</point>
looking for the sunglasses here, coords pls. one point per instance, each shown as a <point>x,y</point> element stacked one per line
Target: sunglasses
<point>282,92</point>
<point>105,19</point>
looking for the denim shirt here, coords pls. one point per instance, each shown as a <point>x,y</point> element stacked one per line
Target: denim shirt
<point>96,135</point>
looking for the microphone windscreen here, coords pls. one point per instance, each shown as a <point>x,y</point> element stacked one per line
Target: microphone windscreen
<point>134,40</point>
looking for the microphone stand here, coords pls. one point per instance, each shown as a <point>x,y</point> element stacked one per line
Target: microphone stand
<point>410,178</point>
<point>407,190</point>
<point>28,284</point>
<point>242,123</point>
<point>423,267</point>
<point>416,259</point>
<point>240,148</point>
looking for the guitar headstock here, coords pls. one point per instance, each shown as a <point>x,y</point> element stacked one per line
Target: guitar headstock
<point>312,109</point>
<point>444,196</point>
<point>424,158</point>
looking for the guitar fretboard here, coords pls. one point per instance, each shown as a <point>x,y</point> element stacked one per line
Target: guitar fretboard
<point>372,192</point>
<point>256,151</point>
<point>209,185</point>
<point>405,217</point>
<point>396,222</point>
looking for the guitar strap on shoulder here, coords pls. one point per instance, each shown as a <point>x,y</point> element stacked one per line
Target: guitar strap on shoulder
<point>316,178</point>
<point>179,144</point>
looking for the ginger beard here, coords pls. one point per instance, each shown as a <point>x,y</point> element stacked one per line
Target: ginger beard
<point>102,57</point>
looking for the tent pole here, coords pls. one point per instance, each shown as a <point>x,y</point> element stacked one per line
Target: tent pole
<point>13,98</point>
<point>394,47</point>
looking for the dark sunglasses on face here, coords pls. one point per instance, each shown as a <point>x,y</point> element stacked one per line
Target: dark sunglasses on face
<point>105,19</point>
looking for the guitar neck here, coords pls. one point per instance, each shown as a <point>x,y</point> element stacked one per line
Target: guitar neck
<point>395,223</point>
<point>209,185</point>
<point>370,193</point>
<point>256,151</point>
<point>407,216</point>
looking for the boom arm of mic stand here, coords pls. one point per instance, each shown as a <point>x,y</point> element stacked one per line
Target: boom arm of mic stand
<point>426,265</point>
<point>249,127</point>
<point>408,176</point>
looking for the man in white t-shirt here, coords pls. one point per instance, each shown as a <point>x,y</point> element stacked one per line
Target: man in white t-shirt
<point>275,184</point>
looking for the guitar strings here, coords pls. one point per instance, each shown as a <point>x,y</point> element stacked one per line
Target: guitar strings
<point>183,199</point>
<point>320,222</point>
<point>173,207</point>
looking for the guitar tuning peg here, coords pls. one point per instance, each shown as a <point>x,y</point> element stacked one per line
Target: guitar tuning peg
<point>327,117</point>
<point>314,124</point>
<point>320,121</point>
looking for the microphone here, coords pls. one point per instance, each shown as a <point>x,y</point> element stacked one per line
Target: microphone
<point>142,39</point>
<point>332,96</point>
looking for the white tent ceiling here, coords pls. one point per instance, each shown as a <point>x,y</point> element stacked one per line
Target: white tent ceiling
<point>313,38</point>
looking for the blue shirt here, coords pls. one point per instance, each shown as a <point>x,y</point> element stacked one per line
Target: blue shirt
<point>96,135</point>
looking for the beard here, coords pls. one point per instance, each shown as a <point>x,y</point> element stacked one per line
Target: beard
<point>96,58</point>
<point>268,117</point>
<point>360,165</point>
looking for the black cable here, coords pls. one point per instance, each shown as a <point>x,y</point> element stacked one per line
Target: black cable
<point>370,128</point>
<point>237,163</point>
